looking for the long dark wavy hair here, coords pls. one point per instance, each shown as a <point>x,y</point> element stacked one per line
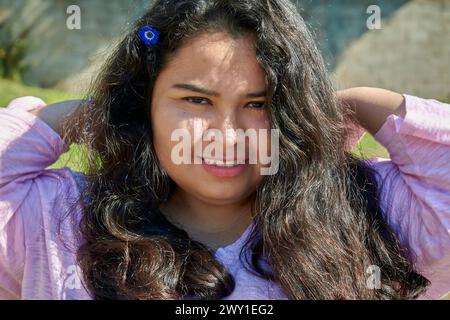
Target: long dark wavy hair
<point>317,222</point>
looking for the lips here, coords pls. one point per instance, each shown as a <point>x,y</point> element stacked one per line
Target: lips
<point>223,169</point>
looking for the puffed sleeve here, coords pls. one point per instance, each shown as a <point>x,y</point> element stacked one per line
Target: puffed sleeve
<point>415,186</point>
<point>27,147</point>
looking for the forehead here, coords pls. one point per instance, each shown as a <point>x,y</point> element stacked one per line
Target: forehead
<point>217,60</point>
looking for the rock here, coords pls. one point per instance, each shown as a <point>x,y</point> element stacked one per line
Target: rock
<point>410,54</point>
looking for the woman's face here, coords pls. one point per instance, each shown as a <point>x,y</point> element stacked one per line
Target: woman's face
<point>212,82</point>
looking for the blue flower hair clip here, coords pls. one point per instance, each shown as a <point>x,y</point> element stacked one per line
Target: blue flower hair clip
<point>149,35</point>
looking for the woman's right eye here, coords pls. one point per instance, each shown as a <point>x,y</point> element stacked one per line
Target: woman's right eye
<point>196,100</point>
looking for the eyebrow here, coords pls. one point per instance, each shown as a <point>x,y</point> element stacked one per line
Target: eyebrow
<point>208,92</point>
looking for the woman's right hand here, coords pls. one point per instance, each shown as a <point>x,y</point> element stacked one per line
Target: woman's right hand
<point>55,114</point>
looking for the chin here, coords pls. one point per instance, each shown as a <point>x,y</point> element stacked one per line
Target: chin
<point>221,195</point>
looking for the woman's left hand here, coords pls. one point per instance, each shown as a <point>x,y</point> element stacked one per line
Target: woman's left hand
<point>372,106</point>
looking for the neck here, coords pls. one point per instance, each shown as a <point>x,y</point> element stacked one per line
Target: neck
<point>215,225</point>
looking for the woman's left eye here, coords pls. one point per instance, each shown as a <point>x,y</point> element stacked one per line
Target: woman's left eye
<point>257,105</point>
<point>196,100</point>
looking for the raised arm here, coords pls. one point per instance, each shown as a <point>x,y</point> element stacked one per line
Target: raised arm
<point>55,114</point>
<point>33,202</point>
<point>415,181</point>
<point>373,105</point>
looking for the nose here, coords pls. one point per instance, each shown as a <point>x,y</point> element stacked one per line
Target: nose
<point>228,130</point>
<point>226,124</point>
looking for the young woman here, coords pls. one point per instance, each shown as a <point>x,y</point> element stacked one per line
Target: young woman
<point>136,225</point>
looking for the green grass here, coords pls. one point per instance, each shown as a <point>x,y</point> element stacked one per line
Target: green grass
<point>71,159</point>
<point>368,147</point>
<point>10,90</point>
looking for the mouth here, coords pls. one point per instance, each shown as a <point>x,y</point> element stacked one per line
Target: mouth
<point>221,168</point>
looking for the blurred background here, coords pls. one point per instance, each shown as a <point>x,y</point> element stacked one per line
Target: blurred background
<point>408,53</point>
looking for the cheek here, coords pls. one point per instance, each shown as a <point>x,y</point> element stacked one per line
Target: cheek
<point>163,124</point>
<point>167,121</point>
<point>262,145</point>
<point>161,134</point>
